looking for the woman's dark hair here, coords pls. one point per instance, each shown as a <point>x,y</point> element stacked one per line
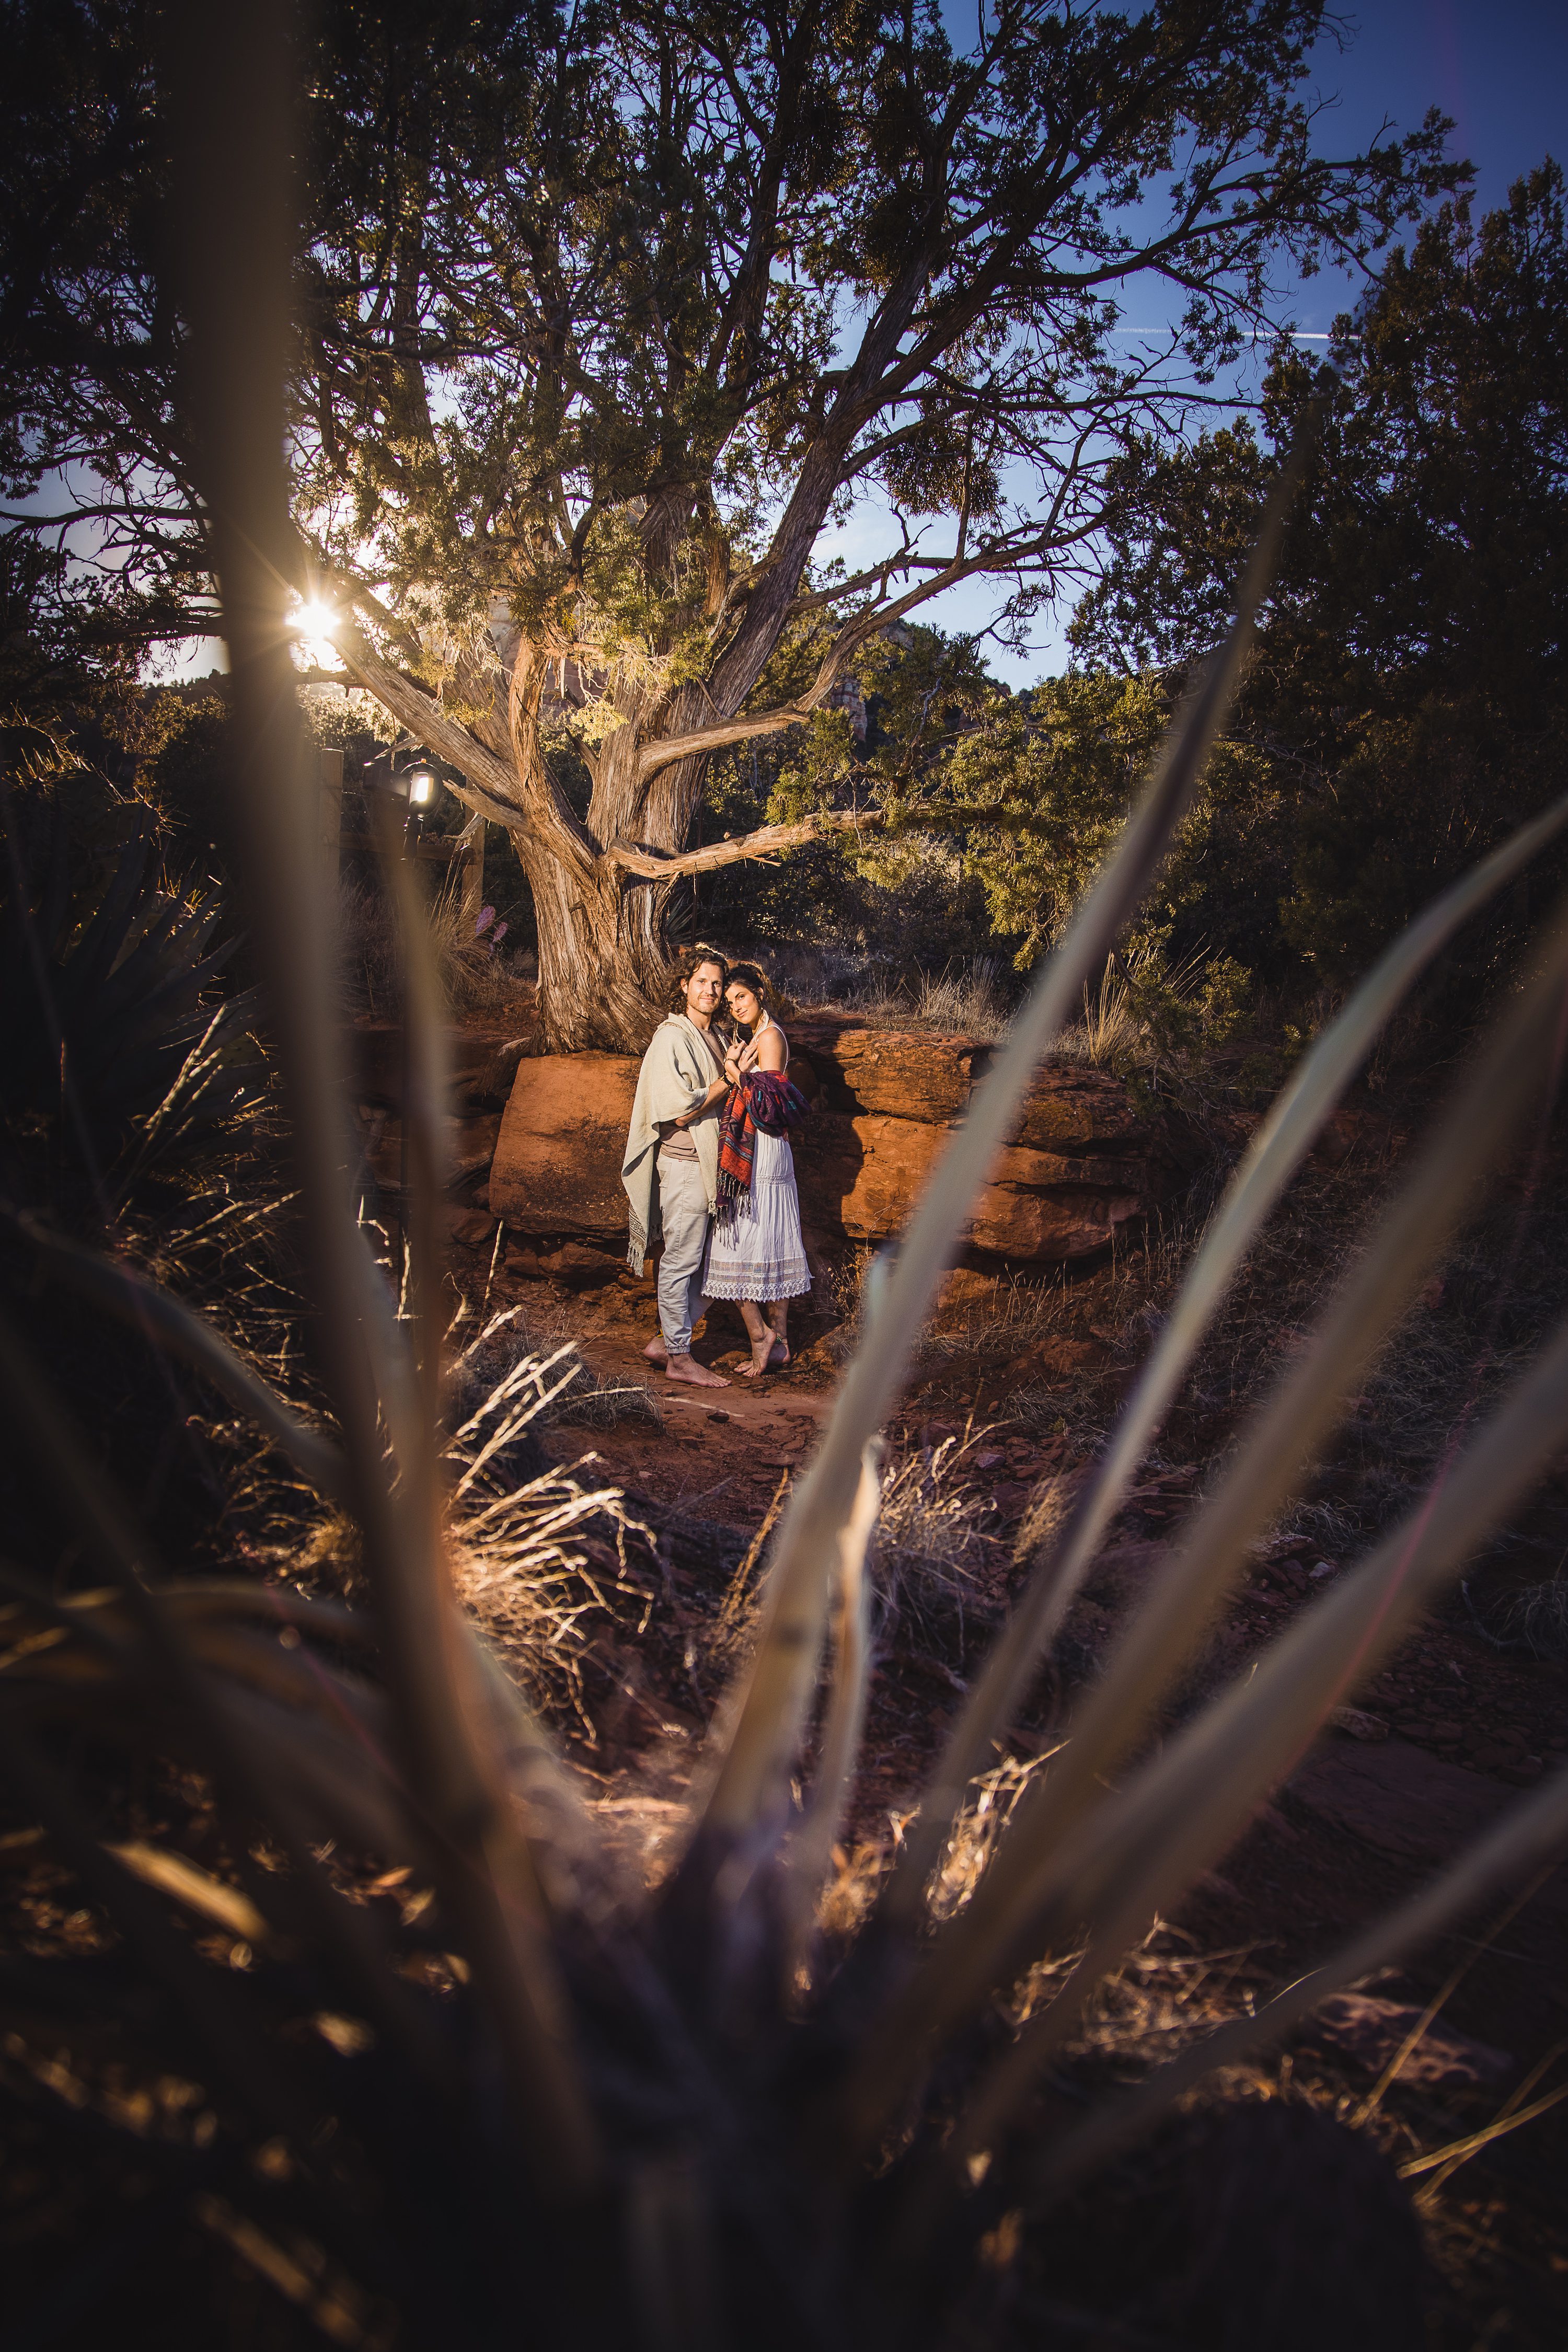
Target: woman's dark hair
<point>750,975</point>
<point>689,963</point>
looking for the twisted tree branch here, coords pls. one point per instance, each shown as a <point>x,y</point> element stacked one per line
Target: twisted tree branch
<point>764,843</point>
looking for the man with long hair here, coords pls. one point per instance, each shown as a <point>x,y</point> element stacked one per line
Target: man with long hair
<point>671,1166</point>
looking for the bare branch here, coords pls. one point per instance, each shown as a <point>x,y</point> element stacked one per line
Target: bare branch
<point>764,843</point>
<point>488,786</point>
<point>723,732</point>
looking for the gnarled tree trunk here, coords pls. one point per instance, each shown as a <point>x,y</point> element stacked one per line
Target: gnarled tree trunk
<point>602,889</point>
<point>604,959</point>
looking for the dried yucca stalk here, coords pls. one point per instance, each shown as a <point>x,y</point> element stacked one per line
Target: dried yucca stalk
<point>674,2124</point>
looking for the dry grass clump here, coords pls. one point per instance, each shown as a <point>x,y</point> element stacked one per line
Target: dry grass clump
<point>1129,1015</point>
<point>475,976</point>
<point>968,1002</point>
<point>936,1562</point>
<point>1112,1034</point>
<point>511,1346</point>
<point>544,1567</point>
<point>963,1000</point>
<point>1533,1619</point>
<point>537,1552</point>
<point>992,1801</point>
<point>597,1403</point>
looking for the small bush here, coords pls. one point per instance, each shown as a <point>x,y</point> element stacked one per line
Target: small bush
<point>475,976</point>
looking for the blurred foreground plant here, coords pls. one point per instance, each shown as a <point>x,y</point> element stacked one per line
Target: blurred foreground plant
<point>115,1054</point>
<point>689,2120</point>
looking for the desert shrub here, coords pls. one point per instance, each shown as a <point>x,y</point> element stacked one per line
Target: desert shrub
<point>1409,703</point>
<point>477,977</point>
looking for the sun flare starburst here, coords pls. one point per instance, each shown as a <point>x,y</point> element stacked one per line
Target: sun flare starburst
<point>312,624</point>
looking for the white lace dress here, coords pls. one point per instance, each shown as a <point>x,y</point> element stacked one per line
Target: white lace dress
<point>762,1255</point>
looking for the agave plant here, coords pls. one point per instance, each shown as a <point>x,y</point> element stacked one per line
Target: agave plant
<point>114,1049</point>
<point>684,2120</point>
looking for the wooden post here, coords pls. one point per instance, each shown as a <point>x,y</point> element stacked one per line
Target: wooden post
<point>331,809</point>
<point>473,891</point>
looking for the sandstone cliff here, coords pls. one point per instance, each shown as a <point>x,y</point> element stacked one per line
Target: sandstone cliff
<point>1081,1164</point>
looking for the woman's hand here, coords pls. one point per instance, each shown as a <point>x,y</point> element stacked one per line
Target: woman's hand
<point>746,1057</point>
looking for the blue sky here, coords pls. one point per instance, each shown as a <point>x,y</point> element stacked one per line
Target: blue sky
<point>1499,68</point>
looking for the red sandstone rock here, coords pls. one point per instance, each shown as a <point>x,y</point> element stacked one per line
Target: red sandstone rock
<point>482,1060</point>
<point>579,1268</point>
<point>1072,1108</point>
<point>903,1074</point>
<point>864,1175</point>
<point>1050,1227</point>
<point>557,1167</point>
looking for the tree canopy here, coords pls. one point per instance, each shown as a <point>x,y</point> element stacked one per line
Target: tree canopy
<point>605,317</point>
<point>1409,701</point>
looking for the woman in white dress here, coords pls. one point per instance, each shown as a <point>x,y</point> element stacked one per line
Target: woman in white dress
<point>756,1257</point>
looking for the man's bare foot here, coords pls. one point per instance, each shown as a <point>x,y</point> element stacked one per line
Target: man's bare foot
<point>687,1368</point>
<point>656,1352</point>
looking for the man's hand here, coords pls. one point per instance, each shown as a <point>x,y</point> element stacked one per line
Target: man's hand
<point>716,1087</point>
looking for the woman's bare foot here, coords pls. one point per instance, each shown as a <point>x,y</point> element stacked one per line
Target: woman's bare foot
<point>687,1368</point>
<point>656,1352</point>
<point>778,1355</point>
<point>757,1365</point>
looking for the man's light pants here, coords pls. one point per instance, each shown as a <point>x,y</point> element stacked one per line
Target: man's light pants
<point>683,1214</point>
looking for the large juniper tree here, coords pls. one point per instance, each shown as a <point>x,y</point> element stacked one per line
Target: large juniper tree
<point>607,314</point>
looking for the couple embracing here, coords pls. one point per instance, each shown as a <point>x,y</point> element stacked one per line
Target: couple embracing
<point>708,1166</point>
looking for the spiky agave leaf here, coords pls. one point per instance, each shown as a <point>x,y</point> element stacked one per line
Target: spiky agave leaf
<point>1274,1154</point>
<point>110,1029</point>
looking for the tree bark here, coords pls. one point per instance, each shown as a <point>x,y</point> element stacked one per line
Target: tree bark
<point>602,891</point>
<point>602,961</point>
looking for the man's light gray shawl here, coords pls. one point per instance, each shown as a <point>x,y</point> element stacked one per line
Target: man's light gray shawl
<point>677,1072</point>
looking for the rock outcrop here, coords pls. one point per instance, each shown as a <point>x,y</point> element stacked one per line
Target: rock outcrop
<point>1081,1164</point>
<point>557,1168</point>
<point>482,1058</point>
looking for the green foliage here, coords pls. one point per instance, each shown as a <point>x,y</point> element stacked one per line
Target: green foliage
<point>1409,703</point>
<point>183,745</point>
<point>900,895</point>
<point>1043,785</point>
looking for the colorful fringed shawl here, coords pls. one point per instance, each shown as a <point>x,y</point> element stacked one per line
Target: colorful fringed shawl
<point>764,1099</point>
